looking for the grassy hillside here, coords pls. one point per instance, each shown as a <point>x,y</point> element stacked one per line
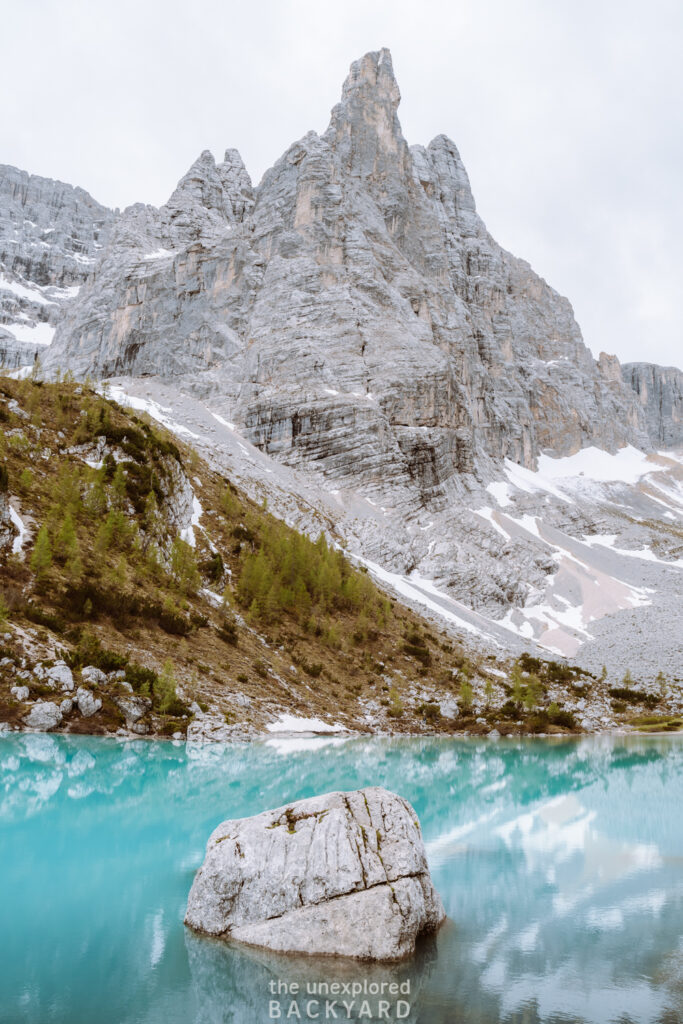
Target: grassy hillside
<point>141,560</point>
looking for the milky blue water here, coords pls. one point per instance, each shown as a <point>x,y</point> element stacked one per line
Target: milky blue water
<point>560,865</point>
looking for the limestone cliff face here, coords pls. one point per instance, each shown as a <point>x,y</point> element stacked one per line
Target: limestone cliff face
<point>51,235</point>
<point>660,393</point>
<point>351,313</point>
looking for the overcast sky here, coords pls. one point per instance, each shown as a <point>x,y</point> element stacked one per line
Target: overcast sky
<point>567,114</point>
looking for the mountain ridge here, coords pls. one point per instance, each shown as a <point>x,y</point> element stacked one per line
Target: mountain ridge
<point>352,319</point>
<point>383,227</point>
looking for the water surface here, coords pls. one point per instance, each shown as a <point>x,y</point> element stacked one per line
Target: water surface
<point>560,865</point>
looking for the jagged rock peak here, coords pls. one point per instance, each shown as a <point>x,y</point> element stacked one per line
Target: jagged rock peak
<point>236,183</point>
<point>364,127</point>
<point>371,80</point>
<point>200,185</point>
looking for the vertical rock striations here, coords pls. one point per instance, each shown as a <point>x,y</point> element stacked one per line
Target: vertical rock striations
<point>352,312</point>
<point>660,393</point>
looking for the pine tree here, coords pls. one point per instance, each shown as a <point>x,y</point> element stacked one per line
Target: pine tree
<point>151,514</point>
<point>114,532</point>
<point>66,541</point>
<point>95,501</point>
<point>74,567</point>
<point>661,683</point>
<point>41,559</point>
<point>184,566</point>
<point>165,687</point>
<point>517,681</point>
<point>466,694</point>
<point>118,486</point>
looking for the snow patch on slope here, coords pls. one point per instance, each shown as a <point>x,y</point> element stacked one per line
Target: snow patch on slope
<point>148,405</point>
<point>18,542</point>
<point>34,334</point>
<point>291,723</point>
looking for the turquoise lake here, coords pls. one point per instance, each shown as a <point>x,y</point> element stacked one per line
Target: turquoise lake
<point>560,864</point>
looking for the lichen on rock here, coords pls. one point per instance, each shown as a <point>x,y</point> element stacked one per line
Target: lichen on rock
<point>341,874</point>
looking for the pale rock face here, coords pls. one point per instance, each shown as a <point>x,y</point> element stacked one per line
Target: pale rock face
<point>20,692</point>
<point>86,702</point>
<point>660,393</point>
<point>44,715</point>
<point>341,874</point>
<point>359,267</point>
<point>92,676</point>
<point>51,235</point>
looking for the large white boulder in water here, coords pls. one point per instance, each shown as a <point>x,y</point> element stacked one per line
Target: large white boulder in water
<point>340,874</point>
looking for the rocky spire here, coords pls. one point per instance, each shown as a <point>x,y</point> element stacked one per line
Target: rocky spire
<point>236,183</point>
<point>364,128</point>
<point>209,196</point>
<point>200,185</point>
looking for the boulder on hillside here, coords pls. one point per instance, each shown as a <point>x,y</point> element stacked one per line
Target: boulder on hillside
<point>86,702</point>
<point>341,874</point>
<point>93,676</point>
<point>44,715</point>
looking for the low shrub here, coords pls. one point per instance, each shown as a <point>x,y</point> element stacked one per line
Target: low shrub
<point>91,652</point>
<point>227,631</point>
<point>625,693</point>
<point>430,711</point>
<point>419,652</point>
<point>34,613</point>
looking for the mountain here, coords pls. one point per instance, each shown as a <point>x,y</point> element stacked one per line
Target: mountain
<point>352,309</point>
<point>359,350</point>
<point>50,237</point>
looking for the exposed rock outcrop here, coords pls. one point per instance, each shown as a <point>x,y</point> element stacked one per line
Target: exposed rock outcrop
<point>341,874</point>
<point>660,393</point>
<point>51,235</point>
<point>352,311</point>
<point>43,716</point>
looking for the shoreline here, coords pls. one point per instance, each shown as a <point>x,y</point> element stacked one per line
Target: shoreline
<point>338,738</point>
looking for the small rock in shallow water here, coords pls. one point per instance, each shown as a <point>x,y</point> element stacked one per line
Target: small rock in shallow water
<point>340,874</point>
